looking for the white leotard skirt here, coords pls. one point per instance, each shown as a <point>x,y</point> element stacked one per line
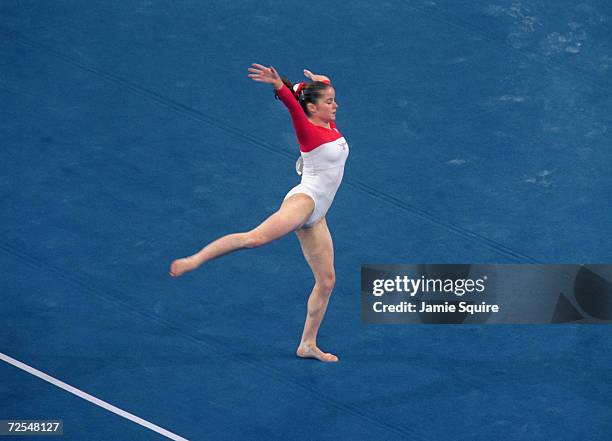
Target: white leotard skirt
<point>322,170</point>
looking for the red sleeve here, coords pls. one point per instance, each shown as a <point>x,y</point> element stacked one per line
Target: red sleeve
<point>300,121</point>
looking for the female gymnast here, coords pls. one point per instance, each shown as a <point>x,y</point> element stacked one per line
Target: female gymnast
<point>323,152</point>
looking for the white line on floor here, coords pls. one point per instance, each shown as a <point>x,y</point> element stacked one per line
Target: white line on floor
<point>90,398</point>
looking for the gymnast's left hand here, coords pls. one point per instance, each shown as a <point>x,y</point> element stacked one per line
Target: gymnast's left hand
<point>314,77</point>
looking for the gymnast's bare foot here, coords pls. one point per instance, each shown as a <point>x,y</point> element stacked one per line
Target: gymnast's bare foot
<point>181,266</point>
<point>312,351</point>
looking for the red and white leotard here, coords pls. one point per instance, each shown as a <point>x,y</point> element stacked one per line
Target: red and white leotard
<point>321,164</point>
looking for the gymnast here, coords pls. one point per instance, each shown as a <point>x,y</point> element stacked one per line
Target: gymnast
<point>323,153</point>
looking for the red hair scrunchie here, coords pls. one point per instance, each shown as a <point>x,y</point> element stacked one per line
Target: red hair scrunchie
<point>297,88</point>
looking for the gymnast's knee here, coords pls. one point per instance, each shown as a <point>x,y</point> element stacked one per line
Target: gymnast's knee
<point>327,282</point>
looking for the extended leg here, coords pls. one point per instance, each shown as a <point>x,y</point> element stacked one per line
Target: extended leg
<point>292,214</point>
<point>318,250</point>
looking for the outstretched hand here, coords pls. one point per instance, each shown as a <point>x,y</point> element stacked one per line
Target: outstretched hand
<point>263,74</point>
<point>308,74</point>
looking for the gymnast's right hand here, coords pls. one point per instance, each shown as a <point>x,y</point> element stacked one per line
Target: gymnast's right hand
<point>263,74</point>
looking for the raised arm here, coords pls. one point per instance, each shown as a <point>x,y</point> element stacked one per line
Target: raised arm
<point>269,75</point>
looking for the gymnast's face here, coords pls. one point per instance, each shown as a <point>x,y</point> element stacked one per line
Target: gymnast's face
<point>325,108</point>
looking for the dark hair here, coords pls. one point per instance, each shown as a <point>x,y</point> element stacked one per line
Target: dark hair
<point>310,93</point>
